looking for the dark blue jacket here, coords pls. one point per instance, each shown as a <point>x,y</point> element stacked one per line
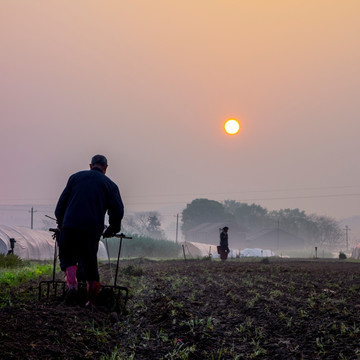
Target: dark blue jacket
<point>224,241</point>
<point>86,198</point>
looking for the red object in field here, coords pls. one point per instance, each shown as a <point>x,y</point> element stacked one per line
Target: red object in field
<point>223,255</point>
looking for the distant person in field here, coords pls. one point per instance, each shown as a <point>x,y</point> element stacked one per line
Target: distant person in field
<point>80,213</point>
<point>224,244</point>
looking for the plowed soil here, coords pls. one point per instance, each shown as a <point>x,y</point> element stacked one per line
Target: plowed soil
<point>197,309</point>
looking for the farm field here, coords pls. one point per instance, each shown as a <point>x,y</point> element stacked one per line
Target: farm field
<point>196,309</point>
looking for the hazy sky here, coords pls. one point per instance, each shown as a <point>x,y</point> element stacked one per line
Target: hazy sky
<point>149,84</point>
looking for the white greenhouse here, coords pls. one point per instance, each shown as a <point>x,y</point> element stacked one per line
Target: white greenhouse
<point>33,244</point>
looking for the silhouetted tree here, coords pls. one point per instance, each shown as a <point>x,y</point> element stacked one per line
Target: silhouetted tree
<point>328,232</point>
<point>294,221</point>
<point>144,224</point>
<point>250,217</point>
<point>154,227</point>
<point>201,211</point>
<point>314,229</point>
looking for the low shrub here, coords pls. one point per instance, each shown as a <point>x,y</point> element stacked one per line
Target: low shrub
<point>140,246</point>
<point>342,256</point>
<point>133,271</point>
<point>10,261</point>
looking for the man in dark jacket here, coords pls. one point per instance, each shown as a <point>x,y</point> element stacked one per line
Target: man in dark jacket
<point>224,244</point>
<point>80,213</point>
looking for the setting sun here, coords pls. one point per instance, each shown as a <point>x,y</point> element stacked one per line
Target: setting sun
<point>232,126</point>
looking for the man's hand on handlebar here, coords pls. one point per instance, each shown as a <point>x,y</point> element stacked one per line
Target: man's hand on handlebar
<point>108,233</point>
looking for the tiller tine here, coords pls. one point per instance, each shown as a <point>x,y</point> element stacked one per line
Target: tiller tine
<point>121,293</point>
<point>54,286</point>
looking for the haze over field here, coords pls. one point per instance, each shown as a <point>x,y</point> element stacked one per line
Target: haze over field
<point>149,84</point>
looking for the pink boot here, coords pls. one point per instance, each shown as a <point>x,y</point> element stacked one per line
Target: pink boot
<point>70,278</point>
<point>93,289</point>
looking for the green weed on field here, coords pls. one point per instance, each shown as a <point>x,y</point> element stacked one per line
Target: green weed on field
<point>17,276</point>
<point>14,270</point>
<point>16,273</point>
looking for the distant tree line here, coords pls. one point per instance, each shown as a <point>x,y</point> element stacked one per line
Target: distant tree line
<point>316,230</point>
<point>146,224</point>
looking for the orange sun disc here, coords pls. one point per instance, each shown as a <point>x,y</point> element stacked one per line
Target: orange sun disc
<point>232,126</point>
